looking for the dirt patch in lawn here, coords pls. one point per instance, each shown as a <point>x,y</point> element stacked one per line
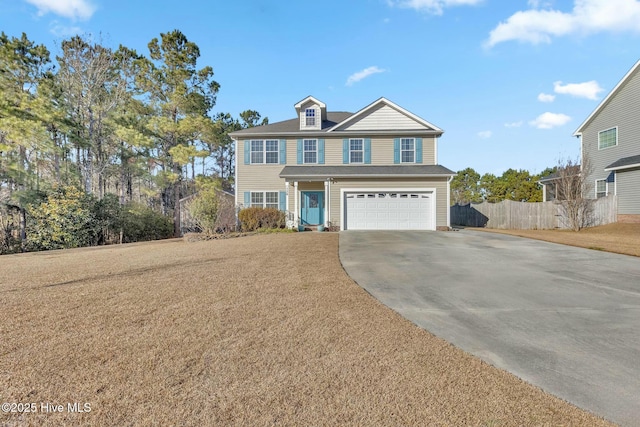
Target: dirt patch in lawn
<point>261,330</point>
<point>617,238</point>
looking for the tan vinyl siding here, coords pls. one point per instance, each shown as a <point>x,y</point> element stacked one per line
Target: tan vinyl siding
<point>266,177</point>
<point>440,184</point>
<point>621,111</point>
<point>257,178</point>
<point>385,118</point>
<point>381,150</point>
<point>333,151</point>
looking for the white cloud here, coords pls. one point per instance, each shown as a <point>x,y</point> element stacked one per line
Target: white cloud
<point>550,120</point>
<point>588,16</point>
<point>485,134</point>
<point>544,97</point>
<point>513,124</point>
<point>59,30</point>
<point>589,90</point>
<point>356,77</point>
<point>537,4</point>
<point>434,7</point>
<point>73,9</point>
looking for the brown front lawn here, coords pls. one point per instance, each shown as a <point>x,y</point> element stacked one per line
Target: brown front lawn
<point>260,330</point>
<point>618,238</point>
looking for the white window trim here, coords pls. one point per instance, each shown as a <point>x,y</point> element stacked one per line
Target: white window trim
<point>264,151</point>
<point>307,117</point>
<point>264,198</point>
<point>356,151</point>
<point>304,151</point>
<point>605,130</point>
<point>414,150</point>
<point>606,187</point>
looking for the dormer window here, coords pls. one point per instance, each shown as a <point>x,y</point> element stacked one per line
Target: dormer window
<point>312,113</point>
<point>310,116</point>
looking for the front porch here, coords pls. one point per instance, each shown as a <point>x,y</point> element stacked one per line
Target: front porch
<point>311,203</point>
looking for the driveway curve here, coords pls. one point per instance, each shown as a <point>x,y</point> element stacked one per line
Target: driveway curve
<point>562,318</point>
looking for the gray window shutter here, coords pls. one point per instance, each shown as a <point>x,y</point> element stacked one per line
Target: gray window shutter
<point>418,150</point>
<point>247,199</point>
<point>299,152</point>
<point>283,201</point>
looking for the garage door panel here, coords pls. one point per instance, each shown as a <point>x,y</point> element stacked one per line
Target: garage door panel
<point>389,211</point>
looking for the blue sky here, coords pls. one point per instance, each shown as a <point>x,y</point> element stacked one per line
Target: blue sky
<point>509,82</point>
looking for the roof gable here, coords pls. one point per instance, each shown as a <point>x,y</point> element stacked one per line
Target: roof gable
<point>384,115</point>
<point>608,98</point>
<point>309,100</point>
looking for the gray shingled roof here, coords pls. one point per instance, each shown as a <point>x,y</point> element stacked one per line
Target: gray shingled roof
<point>325,172</point>
<point>556,175</point>
<point>293,125</point>
<point>624,163</point>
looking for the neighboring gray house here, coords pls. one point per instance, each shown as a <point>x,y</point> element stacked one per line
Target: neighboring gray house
<point>610,139</point>
<point>373,169</point>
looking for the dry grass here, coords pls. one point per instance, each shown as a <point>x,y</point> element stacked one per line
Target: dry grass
<point>617,238</point>
<point>261,330</point>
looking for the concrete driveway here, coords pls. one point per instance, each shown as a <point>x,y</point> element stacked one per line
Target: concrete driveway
<point>564,319</point>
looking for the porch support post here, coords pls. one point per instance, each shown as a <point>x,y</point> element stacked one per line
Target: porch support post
<point>286,192</point>
<point>326,203</point>
<point>544,193</point>
<point>295,205</point>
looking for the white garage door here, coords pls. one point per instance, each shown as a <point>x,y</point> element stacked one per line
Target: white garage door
<point>389,211</point>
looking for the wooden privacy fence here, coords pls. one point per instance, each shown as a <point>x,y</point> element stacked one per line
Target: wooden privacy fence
<point>528,216</point>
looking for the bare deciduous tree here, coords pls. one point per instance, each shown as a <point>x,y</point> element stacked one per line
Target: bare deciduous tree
<point>572,192</point>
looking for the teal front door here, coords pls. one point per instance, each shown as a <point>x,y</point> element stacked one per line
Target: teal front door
<point>312,207</point>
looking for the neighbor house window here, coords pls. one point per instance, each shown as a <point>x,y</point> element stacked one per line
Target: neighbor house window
<point>310,151</point>
<point>601,188</point>
<point>356,151</point>
<point>264,152</point>
<point>310,116</point>
<point>408,150</point>
<point>265,199</point>
<point>607,138</point>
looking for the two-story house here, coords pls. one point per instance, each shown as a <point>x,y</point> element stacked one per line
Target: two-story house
<point>373,169</point>
<point>610,141</point>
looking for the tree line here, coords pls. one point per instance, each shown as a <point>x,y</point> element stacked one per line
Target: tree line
<point>137,127</point>
<point>468,186</point>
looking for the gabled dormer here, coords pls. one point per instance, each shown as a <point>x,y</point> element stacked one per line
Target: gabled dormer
<point>311,113</point>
